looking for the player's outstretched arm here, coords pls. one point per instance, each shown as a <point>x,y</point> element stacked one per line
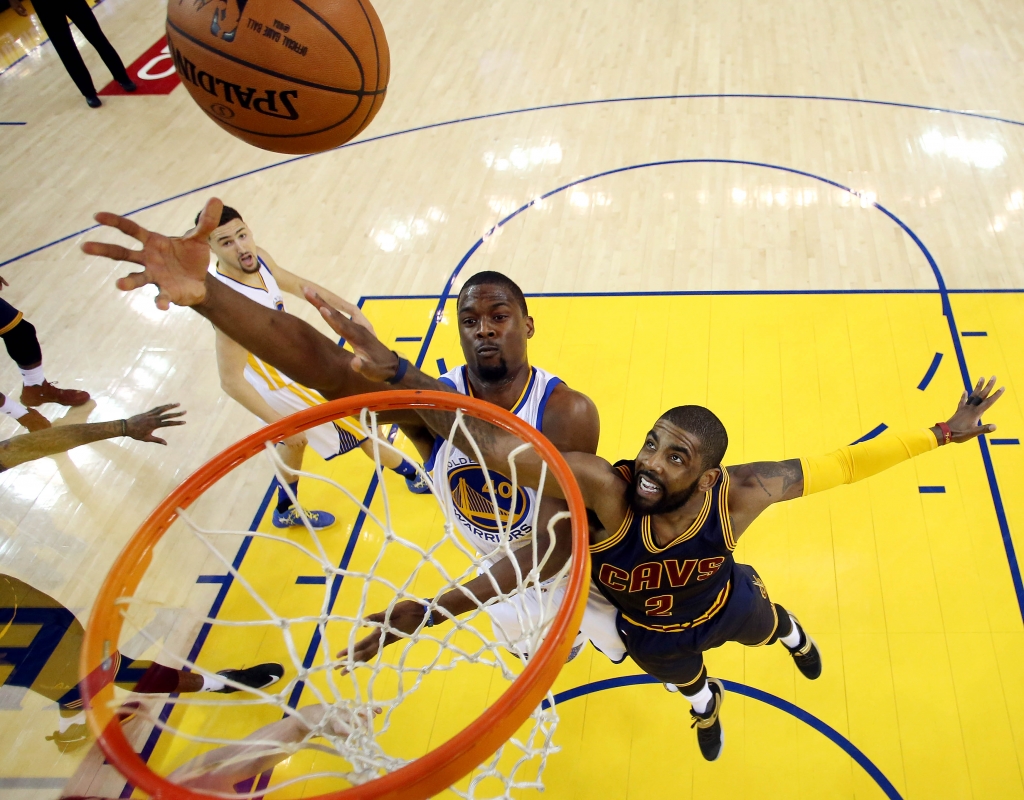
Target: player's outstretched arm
<point>758,485</point>
<point>30,446</point>
<point>177,266</point>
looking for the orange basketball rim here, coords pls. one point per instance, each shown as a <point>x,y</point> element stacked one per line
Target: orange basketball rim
<point>439,768</point>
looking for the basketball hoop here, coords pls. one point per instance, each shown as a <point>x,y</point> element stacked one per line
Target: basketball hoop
<point>371,771</point>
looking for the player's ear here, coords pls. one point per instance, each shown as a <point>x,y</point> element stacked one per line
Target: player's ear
<point>709,478</point>
<point>528,320</point>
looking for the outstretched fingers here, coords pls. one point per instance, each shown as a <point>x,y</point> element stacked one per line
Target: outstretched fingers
<point>123,224</point>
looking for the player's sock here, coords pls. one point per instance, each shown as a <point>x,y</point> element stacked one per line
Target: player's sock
<point>791,639</point>
<point>701,699</point>
<point>32,377</point>
<point>13,408</point>
<point>284,502</point>
<point>406,469</point>
<point>212,684</point>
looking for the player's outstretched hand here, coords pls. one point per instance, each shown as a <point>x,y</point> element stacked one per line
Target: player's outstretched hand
<point>406,616</point>
<point>141,426</point>
<point>373,360</point>
<point>176,265</point>
<point>964,423</point>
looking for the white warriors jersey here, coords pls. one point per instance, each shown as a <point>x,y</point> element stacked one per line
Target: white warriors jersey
<point>258,372</point>
<point>471,499</point>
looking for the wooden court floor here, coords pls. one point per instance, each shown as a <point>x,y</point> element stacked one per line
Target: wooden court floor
<point>808,218</point>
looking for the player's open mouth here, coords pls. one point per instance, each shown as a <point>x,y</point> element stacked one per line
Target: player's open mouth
<point>647,487</point>
<point>246,260</point>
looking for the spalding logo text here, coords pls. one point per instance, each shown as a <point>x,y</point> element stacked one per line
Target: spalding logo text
<point>268,102</point>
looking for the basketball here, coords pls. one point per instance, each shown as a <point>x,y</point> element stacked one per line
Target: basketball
<point>291,77</point>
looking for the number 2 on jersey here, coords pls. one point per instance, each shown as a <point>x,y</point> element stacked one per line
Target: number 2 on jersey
<point>660,606</point>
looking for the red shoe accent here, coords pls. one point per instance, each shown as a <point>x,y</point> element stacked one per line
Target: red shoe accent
<point>34,421</point>
<point>49,393</point>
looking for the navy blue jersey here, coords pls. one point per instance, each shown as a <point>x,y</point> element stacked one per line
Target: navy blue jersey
<point>674,587</point>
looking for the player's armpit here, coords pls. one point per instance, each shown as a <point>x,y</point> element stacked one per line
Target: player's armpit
<point>604,490</point>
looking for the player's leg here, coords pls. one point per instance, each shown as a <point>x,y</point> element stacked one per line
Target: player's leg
<point>22,345</point>
<point>286,515</point>
<point>767,622</point>
<point>26,417</point>
<point>524,611</point>
<point>676,659</point>
<point>148,677</point>
<point>397,463</point>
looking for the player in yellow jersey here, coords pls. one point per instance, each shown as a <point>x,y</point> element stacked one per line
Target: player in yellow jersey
<point>266,392</point>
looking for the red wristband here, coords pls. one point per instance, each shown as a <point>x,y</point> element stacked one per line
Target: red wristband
<point>947,434</point>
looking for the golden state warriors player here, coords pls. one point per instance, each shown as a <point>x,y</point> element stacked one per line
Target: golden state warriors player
<point>494,330</point>
<point>263,390</point>
<point>666,525</point>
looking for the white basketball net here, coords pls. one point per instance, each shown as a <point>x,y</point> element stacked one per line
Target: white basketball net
<point>358,743</point>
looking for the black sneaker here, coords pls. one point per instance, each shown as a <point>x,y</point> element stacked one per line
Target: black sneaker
<point>806,654</point>
<point>710,735</point>
<point>259,677</point>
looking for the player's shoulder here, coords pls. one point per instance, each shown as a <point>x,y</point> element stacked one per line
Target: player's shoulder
<point>570,405</point>
<point>571,420</point>
<point>266,258</point>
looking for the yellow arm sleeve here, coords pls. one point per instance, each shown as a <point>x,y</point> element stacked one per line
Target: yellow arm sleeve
<point>858,461</point>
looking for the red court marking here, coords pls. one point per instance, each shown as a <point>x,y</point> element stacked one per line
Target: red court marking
<point>153,72</point>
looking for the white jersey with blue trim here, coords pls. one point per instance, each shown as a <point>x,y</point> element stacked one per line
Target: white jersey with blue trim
<point>464,478</point>
<point>257,371</point>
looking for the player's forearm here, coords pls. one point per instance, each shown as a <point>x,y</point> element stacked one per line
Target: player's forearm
<point>285,342</point>
<point>859,461</point>
<point>30,446</point>
<point>241,391</point>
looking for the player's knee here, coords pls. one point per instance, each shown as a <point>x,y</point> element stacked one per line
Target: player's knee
<point>22,344</point>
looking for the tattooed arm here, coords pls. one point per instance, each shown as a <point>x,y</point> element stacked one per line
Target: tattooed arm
<point>754,487</point>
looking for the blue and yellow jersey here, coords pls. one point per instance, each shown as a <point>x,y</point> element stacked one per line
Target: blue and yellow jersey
<point>674,587</point>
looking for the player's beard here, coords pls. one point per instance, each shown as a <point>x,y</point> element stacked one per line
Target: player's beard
<point>494,373</point>
<point>666,504</point>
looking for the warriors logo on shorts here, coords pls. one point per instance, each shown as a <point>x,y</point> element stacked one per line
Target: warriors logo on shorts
<point>474,502</point>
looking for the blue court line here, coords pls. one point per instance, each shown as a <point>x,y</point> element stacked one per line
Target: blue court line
<point>409,338</point>
<point>871,434</point>
<point>442,368</point>
<point>13,123</point>
<point>311,580</point>
<point>947,310</point>
<point>204,631</point>
<point>819,725</point>
<point>930,373</point>
<point>974,333</point>
<point>214,578</point>
<point>931,489</point>
<point>1004,441</point>
<point>512,112</point>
